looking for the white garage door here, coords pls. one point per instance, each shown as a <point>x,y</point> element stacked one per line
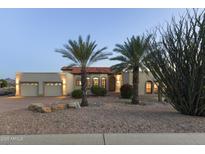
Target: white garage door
<point>29,89</point>
<point>53,89</point>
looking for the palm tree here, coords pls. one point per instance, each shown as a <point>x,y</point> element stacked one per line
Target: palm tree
<point>82,54</point>
<point>131,56</point>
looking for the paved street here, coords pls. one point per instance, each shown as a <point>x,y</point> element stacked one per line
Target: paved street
<point>107,139</point>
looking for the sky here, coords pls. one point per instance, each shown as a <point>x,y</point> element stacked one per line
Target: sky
<point>29,37</point>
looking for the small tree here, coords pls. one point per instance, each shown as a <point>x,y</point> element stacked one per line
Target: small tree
<point>82,54</point>
<point>177,60</point>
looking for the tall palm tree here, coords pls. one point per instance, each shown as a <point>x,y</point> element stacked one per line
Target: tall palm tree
<point>82,54</point>
<point>131,56</point>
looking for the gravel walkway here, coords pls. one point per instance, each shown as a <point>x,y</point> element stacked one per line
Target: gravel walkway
<point>104,115</point>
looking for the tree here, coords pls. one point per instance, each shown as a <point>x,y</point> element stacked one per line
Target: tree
<point>83,53</point>
<point>177,59</point>
<point>131,57</point>
<point>3,83</point>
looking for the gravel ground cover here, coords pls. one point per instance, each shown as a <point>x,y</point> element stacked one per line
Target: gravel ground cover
<point>103,115</point>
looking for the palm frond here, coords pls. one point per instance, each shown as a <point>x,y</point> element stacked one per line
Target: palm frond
<point>132,51</point>
<point>72,65</point>
<point>83,53</point>
<point>121,58</point>
<point>99,55</point>
<point>119,67</point>
<point>68,55</point>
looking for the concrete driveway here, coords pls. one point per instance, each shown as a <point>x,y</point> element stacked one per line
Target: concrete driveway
<point>15,103</point>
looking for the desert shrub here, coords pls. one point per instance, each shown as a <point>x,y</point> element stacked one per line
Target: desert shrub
<point>126,91</point>
<point>7,91</point>
<point>98,91</point>
<point>77,93</point>
<point>177,59</point>
<point>3,83</point>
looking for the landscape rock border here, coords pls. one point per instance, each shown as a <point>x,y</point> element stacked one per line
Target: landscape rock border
<point>40,107</point>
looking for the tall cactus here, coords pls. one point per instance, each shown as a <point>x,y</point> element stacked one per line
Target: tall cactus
<point>177,59</point>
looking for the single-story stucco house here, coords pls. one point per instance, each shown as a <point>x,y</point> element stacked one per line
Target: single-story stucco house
<point>63,83</point>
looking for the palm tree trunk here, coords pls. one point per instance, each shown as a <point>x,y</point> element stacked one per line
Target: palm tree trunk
<point>83,87</point>
<point>135,94</point>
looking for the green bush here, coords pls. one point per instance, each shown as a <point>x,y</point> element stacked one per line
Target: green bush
<point>126,91</point>
<point>3,83</point>
<point>98,91</point>
<point>77,93</point>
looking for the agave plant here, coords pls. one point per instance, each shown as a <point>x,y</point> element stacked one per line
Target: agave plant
<point>83,54</point>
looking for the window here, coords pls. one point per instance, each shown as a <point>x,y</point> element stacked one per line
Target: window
<point>78,82</point>
<point>155,88</point>
<point>88,82</point>
<point>103,82</point>
<point>53,84</point>
<point>148,87</point>
<point>95,81</point>
<point>29,84</point>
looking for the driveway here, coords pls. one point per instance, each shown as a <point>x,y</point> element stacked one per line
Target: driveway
<point>16,103</point>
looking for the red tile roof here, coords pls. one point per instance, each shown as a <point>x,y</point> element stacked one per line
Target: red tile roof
<point>94,70</point>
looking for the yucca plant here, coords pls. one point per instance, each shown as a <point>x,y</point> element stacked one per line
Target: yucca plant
<point>177,59</point>
<point>131,57</point>
<point>83,54</point>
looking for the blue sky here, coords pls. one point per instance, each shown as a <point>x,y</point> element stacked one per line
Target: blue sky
<point>28,37</point>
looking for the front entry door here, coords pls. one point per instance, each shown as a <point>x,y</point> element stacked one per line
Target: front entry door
<point>112,83</point>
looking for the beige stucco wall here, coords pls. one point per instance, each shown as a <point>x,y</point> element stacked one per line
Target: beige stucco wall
<point>69,82</point>
<point>143,77</point>
<point>40,78</point>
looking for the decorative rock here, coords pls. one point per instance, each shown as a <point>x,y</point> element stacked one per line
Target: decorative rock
<point>55,107</point>
<point>61,106</point>
<point>35,107</point>
<point>46,109</point>
<point>39,107</point>
<point>74,105</point>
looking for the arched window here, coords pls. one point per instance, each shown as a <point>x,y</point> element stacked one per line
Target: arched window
<point>95,81</point>
<point>148,87</point>
<point>78,82</point>
<point>88,82</point>
<point>103,82</point>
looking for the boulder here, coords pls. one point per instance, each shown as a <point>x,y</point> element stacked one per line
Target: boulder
<point>61,106</point>
<point>74,105</point>
<point>39,107</point>
<point>35,107</point>
<point>55,107</point>
<point>46,109</point>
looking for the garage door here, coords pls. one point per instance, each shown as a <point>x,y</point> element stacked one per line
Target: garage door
<point>53,89</point>
<point>29,89</point>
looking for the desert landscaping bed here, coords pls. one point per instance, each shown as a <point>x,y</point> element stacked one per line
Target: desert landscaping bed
<point>104,115</point>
